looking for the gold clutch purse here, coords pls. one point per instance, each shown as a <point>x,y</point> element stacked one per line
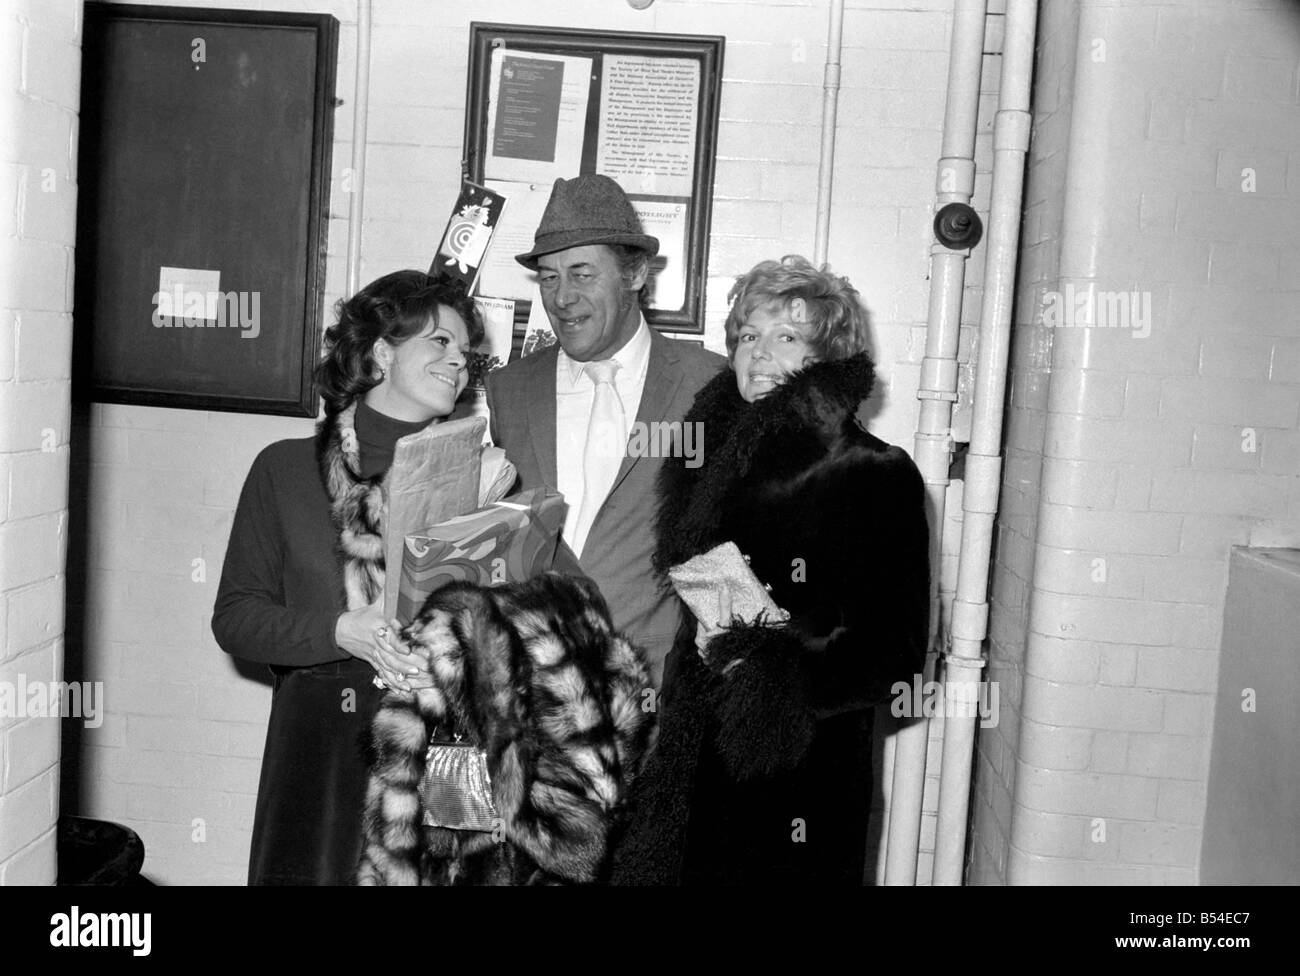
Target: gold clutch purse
<point>456,790</point>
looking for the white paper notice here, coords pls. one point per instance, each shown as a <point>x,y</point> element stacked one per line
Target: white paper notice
<point>666,220</point>
<point>648,114</point>
<point>538,334</point>
<point>498,327</point>
<point>188,292</point>
<point>500,274</point>
<point>537,116</point>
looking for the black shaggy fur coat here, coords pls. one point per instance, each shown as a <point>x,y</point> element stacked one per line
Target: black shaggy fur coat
<point>762,772</point>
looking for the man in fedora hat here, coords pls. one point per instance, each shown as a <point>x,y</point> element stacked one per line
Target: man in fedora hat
<point>564,414</point>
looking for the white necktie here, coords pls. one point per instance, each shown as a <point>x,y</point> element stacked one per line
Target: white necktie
<point>606,444</point>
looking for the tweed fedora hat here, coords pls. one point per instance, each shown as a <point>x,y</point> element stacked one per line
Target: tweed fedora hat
<point>588,209</point>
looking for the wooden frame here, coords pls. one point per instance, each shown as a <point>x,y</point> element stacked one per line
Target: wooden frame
<point>599,47</point>
<point>206,142</point>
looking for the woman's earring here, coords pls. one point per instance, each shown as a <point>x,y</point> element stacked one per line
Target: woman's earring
<point>383,373</point>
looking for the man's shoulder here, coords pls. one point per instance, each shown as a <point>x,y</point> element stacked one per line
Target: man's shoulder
<point>694,361</point>
<point>523,371</point>
<point>698,365</point>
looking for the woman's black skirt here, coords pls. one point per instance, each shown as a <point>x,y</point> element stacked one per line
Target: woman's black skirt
<point>307,829</point>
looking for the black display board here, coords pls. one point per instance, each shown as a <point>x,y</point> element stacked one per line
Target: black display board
<point>205,148</point>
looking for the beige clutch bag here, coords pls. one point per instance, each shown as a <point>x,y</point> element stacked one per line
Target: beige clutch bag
<point>700,580</point>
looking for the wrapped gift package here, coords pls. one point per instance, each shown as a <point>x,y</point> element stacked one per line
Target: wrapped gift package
<point>508,541</point>
<point>436,473</point>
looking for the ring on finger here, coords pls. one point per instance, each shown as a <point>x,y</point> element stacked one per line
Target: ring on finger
<point>381,633</point>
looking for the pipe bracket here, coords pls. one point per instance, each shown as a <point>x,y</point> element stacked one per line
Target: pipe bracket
<point>955,175</point>
<point>969,621</point>
<point>951,660</point>
<point>1011,129</point>
<point>938,379</point>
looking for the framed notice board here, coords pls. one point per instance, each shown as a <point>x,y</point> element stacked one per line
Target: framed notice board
<point>204,189</point>
<point>547,103</point>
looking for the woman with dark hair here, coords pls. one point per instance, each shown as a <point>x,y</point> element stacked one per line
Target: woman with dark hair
<point>302,585</point>
<point>762,773</point>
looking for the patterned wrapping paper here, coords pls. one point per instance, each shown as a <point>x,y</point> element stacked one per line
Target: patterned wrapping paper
<point>509,541</point>
<point>436,474</point>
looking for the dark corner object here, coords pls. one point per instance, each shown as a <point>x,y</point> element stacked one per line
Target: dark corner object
<point>96,852</point>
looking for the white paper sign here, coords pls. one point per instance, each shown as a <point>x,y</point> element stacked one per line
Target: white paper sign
<point>648,123</point>
<point>537,115</point>
<point>188,292</point>
<point>498,326</point>
<point>666,220</point>
<point>500,274</point>
<point>538,334</point>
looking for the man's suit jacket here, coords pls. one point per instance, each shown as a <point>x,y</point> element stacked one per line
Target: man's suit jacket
<point>521,398</point>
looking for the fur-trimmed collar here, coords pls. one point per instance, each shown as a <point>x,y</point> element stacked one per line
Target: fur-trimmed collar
<point>780,434</point>
<point>358,505</point>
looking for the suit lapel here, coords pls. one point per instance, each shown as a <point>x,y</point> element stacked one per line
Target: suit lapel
<point>662,379</point>
<point>539,409</point>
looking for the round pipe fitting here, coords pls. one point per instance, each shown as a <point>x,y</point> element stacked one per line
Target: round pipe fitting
<point>958,226</point>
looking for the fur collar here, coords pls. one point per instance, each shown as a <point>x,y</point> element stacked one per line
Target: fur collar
<point>810,415</point>
<point>359,507</point>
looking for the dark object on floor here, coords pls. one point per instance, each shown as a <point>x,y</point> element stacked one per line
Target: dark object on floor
<point>96,852</point>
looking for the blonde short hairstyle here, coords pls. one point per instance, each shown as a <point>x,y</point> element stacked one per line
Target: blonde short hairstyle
<point>837,320</point>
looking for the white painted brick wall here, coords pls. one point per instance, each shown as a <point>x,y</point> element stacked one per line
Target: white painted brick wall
<point>1156,448</point>
<point>39,96</point>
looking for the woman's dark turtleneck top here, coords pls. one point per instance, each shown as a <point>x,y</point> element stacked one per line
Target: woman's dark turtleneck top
<point>377,437</point>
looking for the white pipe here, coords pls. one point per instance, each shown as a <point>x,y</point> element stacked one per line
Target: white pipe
<point>1086,192</point>
<point>830,105</point>
<point>955,183</point>
<point>970,608</point>
<point>360,114</point>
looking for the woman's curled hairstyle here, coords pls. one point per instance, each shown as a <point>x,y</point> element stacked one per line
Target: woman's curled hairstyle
<point>395,307</point>
<point>835,314</point>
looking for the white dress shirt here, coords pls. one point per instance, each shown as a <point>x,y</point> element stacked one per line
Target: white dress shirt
<point>574,391</point>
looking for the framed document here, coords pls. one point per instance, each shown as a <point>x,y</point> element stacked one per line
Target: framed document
<point>204,187</point>
<point>549,103</point>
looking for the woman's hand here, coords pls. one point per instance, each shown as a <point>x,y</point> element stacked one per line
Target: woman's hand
<point>706,632</point>
<point>367,634</point>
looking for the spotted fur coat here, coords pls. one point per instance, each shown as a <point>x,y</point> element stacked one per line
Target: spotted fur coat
<point>533,673</point>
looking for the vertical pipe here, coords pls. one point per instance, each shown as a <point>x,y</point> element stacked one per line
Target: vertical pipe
<point>360,112</point>
<point>970,609</point>
<point>830,105</point>
<point>1087,194</point>
<point>955,183</point>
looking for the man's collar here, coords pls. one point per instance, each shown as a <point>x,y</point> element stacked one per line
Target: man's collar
<point>636,350</point>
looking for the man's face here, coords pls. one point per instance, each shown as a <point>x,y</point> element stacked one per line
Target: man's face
<point>592,306</point>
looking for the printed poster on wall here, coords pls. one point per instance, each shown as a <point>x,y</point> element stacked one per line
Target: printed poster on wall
<point>537,116</point>
<point>548,103</point>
